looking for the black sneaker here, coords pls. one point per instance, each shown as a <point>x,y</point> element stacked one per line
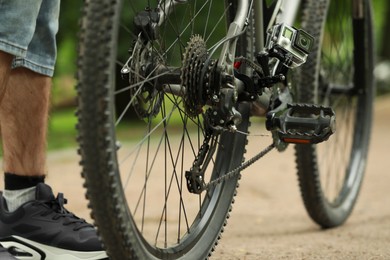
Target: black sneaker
<point>44,229</point>
<point>4,255</point>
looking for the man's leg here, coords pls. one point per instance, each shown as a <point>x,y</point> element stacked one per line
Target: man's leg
<point>23,118</point>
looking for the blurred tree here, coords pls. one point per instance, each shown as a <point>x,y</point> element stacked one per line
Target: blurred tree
<point>63,95</point>
<point>384,52</point>
<point>67,37</point>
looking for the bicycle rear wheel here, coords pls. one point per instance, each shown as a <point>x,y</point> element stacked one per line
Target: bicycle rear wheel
<point>138,140</point>
<point>339,74</point>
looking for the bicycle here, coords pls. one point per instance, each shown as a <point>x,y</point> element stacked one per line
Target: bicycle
<point>163,151</point>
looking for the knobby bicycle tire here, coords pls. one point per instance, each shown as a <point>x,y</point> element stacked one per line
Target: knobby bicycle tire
<point>339,73</point>
<point>121,217</point>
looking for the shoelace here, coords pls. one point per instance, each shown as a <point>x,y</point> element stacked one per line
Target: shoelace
<point>57,205</point>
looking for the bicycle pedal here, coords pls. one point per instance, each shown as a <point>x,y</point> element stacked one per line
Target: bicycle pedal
<point>303,123</point>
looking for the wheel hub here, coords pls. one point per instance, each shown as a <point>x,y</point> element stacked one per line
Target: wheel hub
<point>146,99</point>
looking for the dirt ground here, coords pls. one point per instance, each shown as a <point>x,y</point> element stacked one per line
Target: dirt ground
<point>268,219</point>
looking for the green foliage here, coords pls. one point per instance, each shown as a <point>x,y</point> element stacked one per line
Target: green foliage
<point>66,64</point>
<point>62,131</point>
<point>379,7</point>
<point>70,14</point>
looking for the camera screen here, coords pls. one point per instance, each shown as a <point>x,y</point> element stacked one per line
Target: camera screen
<point>287,33</point>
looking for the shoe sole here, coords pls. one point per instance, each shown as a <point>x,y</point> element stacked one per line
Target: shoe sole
<point>26,249</point>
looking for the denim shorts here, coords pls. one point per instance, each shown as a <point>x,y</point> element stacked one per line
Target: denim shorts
<point>28,30</point>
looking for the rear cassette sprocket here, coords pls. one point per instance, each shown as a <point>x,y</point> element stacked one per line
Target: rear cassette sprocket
<point>194,59</point>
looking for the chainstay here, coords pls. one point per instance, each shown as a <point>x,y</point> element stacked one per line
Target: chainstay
<point>238,169</point>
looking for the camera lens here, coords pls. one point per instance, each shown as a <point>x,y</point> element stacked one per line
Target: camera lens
<point>304,41</point>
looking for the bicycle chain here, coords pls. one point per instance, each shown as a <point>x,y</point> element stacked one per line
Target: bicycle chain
<point>202,152</point>
<point>236,171</point>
